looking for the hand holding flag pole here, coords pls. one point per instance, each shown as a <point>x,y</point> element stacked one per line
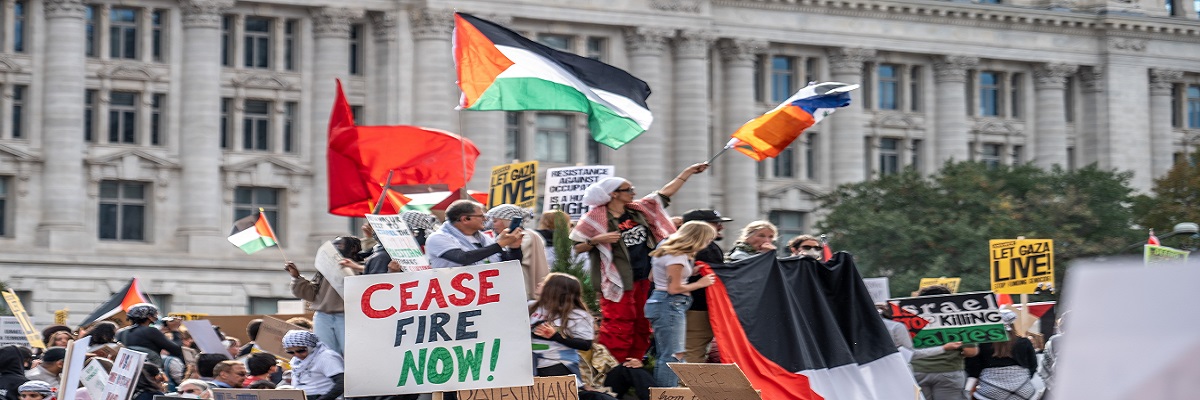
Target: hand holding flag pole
<point>729,145</point>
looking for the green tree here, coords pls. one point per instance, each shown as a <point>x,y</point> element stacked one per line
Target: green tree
<point>1175,198</point>
<point>564,261</point>
<point>908,226</point>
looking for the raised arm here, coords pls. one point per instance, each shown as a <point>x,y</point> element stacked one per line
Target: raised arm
<point>673,186</point>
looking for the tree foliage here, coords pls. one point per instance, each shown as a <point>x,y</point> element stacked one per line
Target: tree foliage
<point>1176,198</point>
<point>908,226</point>
<point>566,262</point>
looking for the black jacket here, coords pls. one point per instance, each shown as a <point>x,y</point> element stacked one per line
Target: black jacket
<point>12,372</point>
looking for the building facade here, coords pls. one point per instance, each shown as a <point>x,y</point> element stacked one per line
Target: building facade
<point>134,132</point>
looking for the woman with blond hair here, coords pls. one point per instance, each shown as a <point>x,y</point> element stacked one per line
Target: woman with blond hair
<point>671,263</point>
<point>757,237</point>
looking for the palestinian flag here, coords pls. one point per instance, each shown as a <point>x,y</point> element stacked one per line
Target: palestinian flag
<point>252,233</point>
<point>499,69</point>
<point>118,303</point>
<point>801,329</point>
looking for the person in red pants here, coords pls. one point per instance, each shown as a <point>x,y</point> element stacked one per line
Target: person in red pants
<point>618,233</point>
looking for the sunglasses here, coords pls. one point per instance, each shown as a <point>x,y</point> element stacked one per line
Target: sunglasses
<point>811,247</point>
<point>630,190</point>
<point>301,351</point>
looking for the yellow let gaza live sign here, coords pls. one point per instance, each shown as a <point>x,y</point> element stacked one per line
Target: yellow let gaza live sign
<point>1021,266</point>
<point>514,184</point>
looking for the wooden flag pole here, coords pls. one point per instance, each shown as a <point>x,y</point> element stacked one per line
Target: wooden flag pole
<point>383,195</point>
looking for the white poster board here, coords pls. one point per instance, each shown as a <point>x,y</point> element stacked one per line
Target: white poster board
<point>11,332</point>
<point>399,242</point>
<point>76,352</point>
<point>442,329</point>
<point>328,264</point>
<point>206,337</point>
<point>565,187</point>
<point>94,379</point>
<point>124,375</point>
<point>878,287</point>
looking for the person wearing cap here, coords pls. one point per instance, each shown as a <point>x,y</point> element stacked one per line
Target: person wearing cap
<point>36,390</point>
<point>50,368</point>
<point>699,330</point>
<point>534,264</point>
<point>12,371</point>
<point>142,337</point>
<point>1005,369</point>
<point>618,233</point>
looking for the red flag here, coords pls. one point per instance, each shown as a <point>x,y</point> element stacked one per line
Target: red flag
<point>1153,240</point>
<point>360,157</point>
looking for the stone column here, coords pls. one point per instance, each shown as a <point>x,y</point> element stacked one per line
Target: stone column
<point>1091,121</point>
<point>431,30</point>
<point>691,142</point>
<point>1050,148</point>
<point>387,58</point>
<point>846,134</point>
<point>200,227</point>
<point>645,160</point>
<point>950,77</point>
<point>739,173</point>
<point>331,60</point>
<point>1161,146</point>
<point>63,182</point>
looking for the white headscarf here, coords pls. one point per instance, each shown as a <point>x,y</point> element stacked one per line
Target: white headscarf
<point>597,194</point>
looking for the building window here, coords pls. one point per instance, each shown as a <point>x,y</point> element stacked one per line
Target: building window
<point>18,111</point>
<point>89,16</point>
<point>889,87</point>
<point>596,48</point>
<point>356,49</point>
<point>782,78</point>
<point>790,225</point>
<point>989,94</point>
<point>89,115</point>
<point>553,139</point>
<point>122,210</point>
<point>123,33</point>
<point>19,27</point>
<point>1018,155</point>
<point>784,163</point>
<point>916,154</point>
<point>914,88</point>
<point>989,1</point>
<point>162,301</point>
<point>1070,158</point>
<point>122,117</point>
<point>256,125</point>
<point>156,36</point>
<point>258,42</point>
<point>889,156</point>
<point>810,156</point>
<point>289,43</point>
<point>248,199</point>
<point>1014,95</point>
<point>3,206</point>
<point>810,71</point>
<point>357,114</point>
<point>225,121</point>
<point>265,305</point>
<point>156,118</point>
<point>759,82</point>
<point>1069,100</point>
<point>1193,106</point>
<point>1176,117</point>
<point>989,155</point>
<point>593,150</point>
<point>289,126</point>
<point>512,136</point>
<point>227,40</point>
<point>557,42</point>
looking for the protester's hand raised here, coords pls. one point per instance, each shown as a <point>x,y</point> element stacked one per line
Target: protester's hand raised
<point>607,238</point>
<point>510,239</point>
<point>291,269</point>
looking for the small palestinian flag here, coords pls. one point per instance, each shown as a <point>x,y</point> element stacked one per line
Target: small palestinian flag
<point>499,69</point>
<point>252,233</point>
<point>117,304</point>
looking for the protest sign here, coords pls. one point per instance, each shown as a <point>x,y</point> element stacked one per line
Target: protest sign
<point>1021,266</point>
<point>270,335</point>
<point>328,263</point>
<point>257,394</point>
<point>552,387</point>
<point>94,379</point>
<point>951,283</point>
<point>18,310</point>
<point>878,288</point>
<point>937,320</point>
<point>60,316</point>
<point>124,375</point>
<point>399,242</point>
<point>73,367</point>
<point>679,393</point>
<point>206,337</point>
<point>11,332</point>
<point>188,316</point>
<point>565,187</point>
<point>1162,255</point>
<point>715,381</point>
<point>447,329</point>
<point>514,184</point>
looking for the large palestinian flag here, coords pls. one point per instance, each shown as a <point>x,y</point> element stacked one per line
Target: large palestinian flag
<point>499,69</point>
<point>800,329</point>
<point>118,304</point>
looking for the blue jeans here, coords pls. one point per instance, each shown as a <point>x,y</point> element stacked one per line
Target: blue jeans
<point>331,330</point>
<point>668,316</point>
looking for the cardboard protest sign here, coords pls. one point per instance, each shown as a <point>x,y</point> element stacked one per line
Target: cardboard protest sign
<point>951,283</point>
<point>878,288</point>
<point>257,394</point>
<point>73,367</point>
<point>60,316</point>
<point>1021,266</point>
<point>514,184</point>
<point>677,393</point>
<point>552,387</point>
<point>399,242</point>
<point>94,378</point>
<point>270,335</point>
<point>206,337</point>
<point>14,304</point>
<point>715,381</point>
<point>188,316</point>
<point>11,332</point>
<point>565,187</point>
<point>1163,255</point>
<point>124,375</point>
<point>444,329</point>
<point>937,320</point>
<point>328,263</point>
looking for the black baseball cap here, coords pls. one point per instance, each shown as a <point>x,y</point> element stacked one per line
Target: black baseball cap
<point>54,354</point>
<point>706,215</point>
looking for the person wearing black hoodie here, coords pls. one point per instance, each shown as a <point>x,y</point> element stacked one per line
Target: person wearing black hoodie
<point>12,372</point>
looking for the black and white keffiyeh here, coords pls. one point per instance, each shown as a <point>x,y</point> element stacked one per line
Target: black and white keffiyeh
<point>299,338</point>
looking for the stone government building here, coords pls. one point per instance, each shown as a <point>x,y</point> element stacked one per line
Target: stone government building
<point>133,133</point>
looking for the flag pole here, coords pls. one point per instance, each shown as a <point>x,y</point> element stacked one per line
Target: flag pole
<point>277,245</point>
<point>383,195</point>
<point>728,145</point>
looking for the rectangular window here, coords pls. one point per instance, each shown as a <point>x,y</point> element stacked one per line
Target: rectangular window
<point>889,87</point>
<point>1193,106</point>
<point>258,42</point>
<point>356,112</point>
<point>1014,95</point>
<point>162,301</point>
<point>265,305</point>
<point>122,210</point>
<point>914,88</point>
<point>889,156</point>
<point>256,125</point>
<point>759,82</point>
<point>1069,99</point>
<point>3,206</point>
<point>916,154</point>
<point>248,199</point>
<point>1176,105</point>
<point>289,45</point>
<point>1018,155</point>
<point>810,71</point>
<point>89,115</point>
<point>596,48</point>
<point>356,49</point>
<point>227,41</point>
<point>122,117</point>
<point>785,163</point>
<point>989,1</point>
<point>156,118</point>
<point>553,139</point>
<point>990,155</point>
<point>123,33</point>
<point>790,225</point>
<point>225,121</point>
<point>289,126</point>
<point>512,136</point>
<point>810,156</point>
<point>89,17</point>
<point>19,27</point>
<point>157,19</point>
<point>557,42</point>
<point>1070,159</point>
<point>18,111</point>
<point>593,150</point>
<point>989,94</point>
<point>783,71</point>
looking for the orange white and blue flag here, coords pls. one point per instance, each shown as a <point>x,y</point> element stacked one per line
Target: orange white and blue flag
<point>771,133</point>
